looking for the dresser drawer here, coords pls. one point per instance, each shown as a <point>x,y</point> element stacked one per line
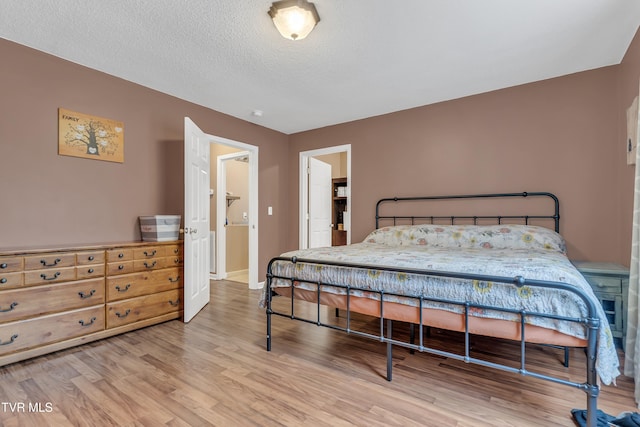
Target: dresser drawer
<point>49,261</point>
<point>124,267</point>
<point>41,277</point>
<point>148,252</point>
<point>148,264</point>
<point>37,300</point>
<point>168,276</point>
<point>88,271</point>
<point>9,264</point>
<point>90,257</point>
<point>25,334</point>
<point>138,284</point>
<point>173,251</point>
<point>119,254</point>
<point>173,261</point>
<point>605,284</point>
<point>11,280</point>
<point>126,286</point>
<point>145,307</point>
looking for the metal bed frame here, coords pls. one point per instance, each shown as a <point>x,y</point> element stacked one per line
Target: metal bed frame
<point>591,321</point>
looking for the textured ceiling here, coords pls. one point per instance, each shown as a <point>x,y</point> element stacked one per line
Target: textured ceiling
<point>365,57</point>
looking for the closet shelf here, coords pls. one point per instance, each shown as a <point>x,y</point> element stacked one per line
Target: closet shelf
<point>231,199</point>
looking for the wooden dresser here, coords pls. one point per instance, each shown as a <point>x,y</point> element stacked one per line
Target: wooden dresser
<point>51,299</point>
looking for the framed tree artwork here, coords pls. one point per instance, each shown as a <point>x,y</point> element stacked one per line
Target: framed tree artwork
<point>90,137</point>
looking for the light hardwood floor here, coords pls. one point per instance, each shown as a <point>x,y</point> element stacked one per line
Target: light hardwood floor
<point>215,371</point>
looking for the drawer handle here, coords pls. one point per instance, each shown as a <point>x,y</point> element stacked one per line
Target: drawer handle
<point>121,255</point>
<point>91,258</point>
<point>91,322</point>
<point>122,316</point>
<point>4,265</point>
<point>126,288</point>
<point>91,270</point>
<point>54,277</point>
<point>176,261</point>
<point>44,262</point>
<point>121,267</point>
<point>176,303</point>
<point>11,307</point>
<point>85,296</point>
<point>172,280</point>
<point>152,253</point>
<point>3,280</point>
<point>176,251</point>
<point>153,264</point>
<point>13,338</point>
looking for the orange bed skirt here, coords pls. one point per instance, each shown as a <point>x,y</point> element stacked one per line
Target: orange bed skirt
<point>438,318</point>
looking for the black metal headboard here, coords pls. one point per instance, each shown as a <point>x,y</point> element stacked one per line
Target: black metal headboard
<point>474,218</point>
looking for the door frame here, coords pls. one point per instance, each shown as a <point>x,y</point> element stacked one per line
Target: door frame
<point>221,211</point>
<point>303,222</point>
<point>253,152</point>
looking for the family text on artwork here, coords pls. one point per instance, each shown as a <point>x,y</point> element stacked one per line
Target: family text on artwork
<point>90,137</point>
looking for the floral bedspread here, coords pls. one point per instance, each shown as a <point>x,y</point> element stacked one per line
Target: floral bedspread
<point>502,250</point>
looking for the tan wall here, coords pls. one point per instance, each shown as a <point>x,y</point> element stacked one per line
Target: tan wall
<point>49,199</point>
<point>237,248</point>
<point>559,135</point>
<point>237,241</point>
<point>338,162</point>
<point>217,150</point>
<point>238,185</point>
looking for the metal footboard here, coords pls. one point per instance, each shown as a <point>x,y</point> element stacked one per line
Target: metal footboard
<point>591,322</point>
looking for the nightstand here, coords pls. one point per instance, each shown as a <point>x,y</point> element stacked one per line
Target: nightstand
<point>610,283</point>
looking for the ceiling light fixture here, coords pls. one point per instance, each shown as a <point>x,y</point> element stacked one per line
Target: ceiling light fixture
<point>294,19</point>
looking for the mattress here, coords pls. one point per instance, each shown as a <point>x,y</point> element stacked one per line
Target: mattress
<point>532,252</point>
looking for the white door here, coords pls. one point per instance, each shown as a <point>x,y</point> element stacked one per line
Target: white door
<point>319,203</point>
<point>303,212</point>
<point>196,219</point>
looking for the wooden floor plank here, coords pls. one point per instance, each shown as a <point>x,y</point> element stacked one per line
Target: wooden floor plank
<point>216,371</point>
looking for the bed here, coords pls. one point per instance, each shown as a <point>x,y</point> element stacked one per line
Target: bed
<point>498,275</point>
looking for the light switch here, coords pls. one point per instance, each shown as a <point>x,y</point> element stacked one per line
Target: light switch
<point>270,210</point>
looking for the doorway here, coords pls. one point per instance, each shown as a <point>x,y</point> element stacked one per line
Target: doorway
<point>198,247</point>
<point>232,214</point>
<point>305,205</point>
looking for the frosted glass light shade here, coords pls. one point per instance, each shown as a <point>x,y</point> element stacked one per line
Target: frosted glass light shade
<point>294,19</point>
